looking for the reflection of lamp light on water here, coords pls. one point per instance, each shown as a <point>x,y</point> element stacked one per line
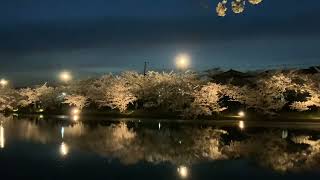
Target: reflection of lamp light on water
<point>62,132</point>
<point>284,134</point>
<point>75,118</point>
<point>183,171</point>
<point>2,139</point>
<point>159,125</point>
<point>75,114</point>
<point>241,125</point>
<point>64,149</point>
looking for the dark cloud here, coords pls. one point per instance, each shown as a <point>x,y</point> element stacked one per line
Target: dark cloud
<point>97,36</point>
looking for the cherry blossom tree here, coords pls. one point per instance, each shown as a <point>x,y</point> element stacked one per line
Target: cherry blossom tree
<point>310,85</point>
<point>268,94</point>
<point>206,100</point>
<point>78,101</point>
<point>169,91</point>
<point>8,98</point>
<point>45,95</point>
<point>116,93</point>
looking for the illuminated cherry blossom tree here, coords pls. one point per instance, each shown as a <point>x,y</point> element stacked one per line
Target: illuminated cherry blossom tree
<point>116,93</point>
<point>206,100</point>
<point>78,101</point>
<point>9,98</point>
<point>45,95</point>
<point>268,94</point>
<point>310,85</point>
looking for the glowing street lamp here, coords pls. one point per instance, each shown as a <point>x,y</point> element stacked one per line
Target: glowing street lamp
<point>241,114</point>
<point>3,82</point>
<point>75,114</point>
<point>183,172</point>
<point>182,61</point>
<point>65,76</point>
<point>75,118</point>
<point>75,111</point>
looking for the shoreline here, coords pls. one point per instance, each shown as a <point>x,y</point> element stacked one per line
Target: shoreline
<point>122,117</point>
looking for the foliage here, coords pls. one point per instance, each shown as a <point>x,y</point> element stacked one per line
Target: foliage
<point>310,85</point>
<point>184,92</point>
<point>206,100</point>
<point>117,95</point>
<point>268,95</point>
<point>78,101</point>
<point>46,96</point>
<point>8,98</point>
<point>170,91</point>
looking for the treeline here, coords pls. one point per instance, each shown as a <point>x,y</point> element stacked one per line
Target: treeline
<point>188,94</point>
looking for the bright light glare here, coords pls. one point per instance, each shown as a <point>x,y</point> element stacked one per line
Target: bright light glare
<point>75,118</point>
<point>62,132</point>
<point>183,171</point>
<point>3,82</point>
<point>284,134</point>
<point>75,111</point>
<point>2,137</point>
<point>241,114</point>
<point>65,76</point>
<point>64,149</point>
<point>182,61</point>
<point>75,114</point>
<point>241,125</point>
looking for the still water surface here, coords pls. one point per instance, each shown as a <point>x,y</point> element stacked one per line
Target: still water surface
<point>38,148</point>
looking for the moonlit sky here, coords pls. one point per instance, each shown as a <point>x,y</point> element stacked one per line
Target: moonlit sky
<point>41,37</point>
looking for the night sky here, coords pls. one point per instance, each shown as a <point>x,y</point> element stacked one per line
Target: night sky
<point>88,37</point>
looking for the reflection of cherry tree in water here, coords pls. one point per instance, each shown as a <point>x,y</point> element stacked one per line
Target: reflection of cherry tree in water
<point>183,146</point>
<point>271,150</point>
<point>191,145</point>
<point>152,145</point>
